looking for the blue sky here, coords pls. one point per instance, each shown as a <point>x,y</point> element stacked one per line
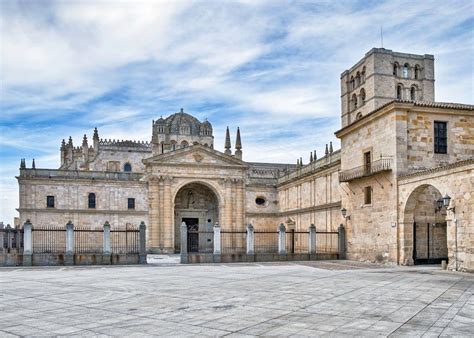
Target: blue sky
<point>270,67</point>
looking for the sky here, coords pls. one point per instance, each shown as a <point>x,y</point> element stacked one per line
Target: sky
<point>270,67</point>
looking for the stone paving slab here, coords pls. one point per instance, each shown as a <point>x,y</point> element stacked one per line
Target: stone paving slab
<point>326,298</point>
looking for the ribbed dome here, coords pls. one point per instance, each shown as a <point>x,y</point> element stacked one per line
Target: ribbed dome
<point>178,122</point>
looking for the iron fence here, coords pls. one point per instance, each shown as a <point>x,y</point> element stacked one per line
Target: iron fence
<point>327,242</point>
<point>88,240</point>
<point>125,240</point>
<point>297,241</point>
<point>11,240</point>
<point>200,241</point>
<point>233,242</point>
<point>265,242</point>
<point>49,239</point>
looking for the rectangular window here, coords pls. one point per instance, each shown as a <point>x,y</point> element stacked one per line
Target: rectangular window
<point>440,137</point>
<point>367,163</point>
<point>368,195</point>
<point>131,203</point>
<point>50,201</point>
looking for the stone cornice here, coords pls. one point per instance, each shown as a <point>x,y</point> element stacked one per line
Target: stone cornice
<point>415,106</point>
<point>295,211</point>
<point>84,211</point>
<point>437,169</point>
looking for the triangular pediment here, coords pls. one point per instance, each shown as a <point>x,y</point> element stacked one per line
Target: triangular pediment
<point>195,155</point>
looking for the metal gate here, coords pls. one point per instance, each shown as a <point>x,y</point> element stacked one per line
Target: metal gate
<point>429,243</point>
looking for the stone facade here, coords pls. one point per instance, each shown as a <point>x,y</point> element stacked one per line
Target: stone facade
<point>388,176</point>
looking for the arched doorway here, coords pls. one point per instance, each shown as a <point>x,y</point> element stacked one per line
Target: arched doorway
<point>196,205</point>
<point>425,226</point>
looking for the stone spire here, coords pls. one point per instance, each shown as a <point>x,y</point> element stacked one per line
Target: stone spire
<point>315,157</point>
<point>310,157</point>
<point>70,142</point>
<point>330,147</point>
<point>22,164</point>
<point>63,152</point>
<point>227,143</point>
<point>326,152</point>
<point>84,141</point>
<point>33,165</point>
<point>95,139</point>
<point>301,161</point>
<point>238,145</point>
<point>63,145</point>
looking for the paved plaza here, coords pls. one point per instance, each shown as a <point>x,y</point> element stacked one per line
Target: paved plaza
<point>304,299</point>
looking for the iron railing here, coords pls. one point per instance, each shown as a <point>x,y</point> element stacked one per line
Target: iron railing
<point>88,240</point>
<point>11,240</point>
<point>297,241</point>
<point>125,240</point>
<point>378,166</point>
<point>265,242</point>
<point>200,241</point>
<point>233,242</point>
<point>49,239</point>
<point>327,242</point>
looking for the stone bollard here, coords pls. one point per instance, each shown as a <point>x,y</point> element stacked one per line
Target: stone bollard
<point>184,243</point>
<point>106,251</point>
<point>217,243</point>
<point>27,243</point>
<point>282,239</point>
<point>69,257</point>
<point>142,249</point>
<point>342,242</point>
<point>250,240</point>
<point>444,266</point>
<point>312,242</point>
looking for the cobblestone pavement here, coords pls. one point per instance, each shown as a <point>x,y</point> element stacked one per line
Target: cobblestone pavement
<point>282,299</point>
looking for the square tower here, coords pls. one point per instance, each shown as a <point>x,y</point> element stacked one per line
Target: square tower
<point>382,76</point>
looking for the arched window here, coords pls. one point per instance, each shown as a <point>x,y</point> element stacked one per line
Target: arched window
<point>354,101</point>
<point>358,116</point>
<point>91,200</point>
<point>352,82</point>
<point>399,92</point>
<point>357,80</point>
<point>413,93</point>
<point>162,147</point>
<point>417,72</point>
<point>395,69</point>
<point>363,75</point>
<point>405,70</point>
<point>184,144</point>
<point>173,145</point>
<point>362,96</point>
<point>127,167</point>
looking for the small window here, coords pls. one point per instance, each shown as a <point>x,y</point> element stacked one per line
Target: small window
<point>367,163</point>
<point>368,195</point>
<point>358,116</point>
<point>413,93</point>
<point>260,201</point>
<point>440,137</point>
<point>399,92</point>
<point>417,72</point>
<point>354,101</point>
<point>395,69</point>
<point>131,203</point>
<point>405,71</point>
<point>50,201</point>
<point>91,201</point>
<point>127,167</point>
<point>362,96</point>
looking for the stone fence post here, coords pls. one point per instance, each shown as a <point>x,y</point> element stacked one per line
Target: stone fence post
<point>184,243</point>
<point>106,243</point>
<point>217,239</point>
<point>250,240</point>
<point>342,242</point>
<point>142,248</point>
<point>27,243</point>
<point>69,257</point>
<point>312,241</point>
<point>282,239</point>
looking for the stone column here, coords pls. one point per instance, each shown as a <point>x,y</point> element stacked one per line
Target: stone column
<point>240,205</point>
<point>142,249</point>
<point>154,213</point>
<point>228,205</point>
<point>168,226</point>
<point>184,243</point>
<point>69,257</point>
<point>342,242</point>
<point>312,241</point>
<point>27,243</point>
<point>250,240</point>
<point>282,239</point>
<point>106,243</point>
<point>217,243</point>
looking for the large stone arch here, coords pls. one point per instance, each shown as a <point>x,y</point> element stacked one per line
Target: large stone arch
<point>424,227</point>
<point>197,203</point>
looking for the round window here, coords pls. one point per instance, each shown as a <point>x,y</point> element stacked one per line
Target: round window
<point>260,201</point>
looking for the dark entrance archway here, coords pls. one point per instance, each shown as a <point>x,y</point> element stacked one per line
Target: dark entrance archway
<point>428,226</point>
<point>196,205</point>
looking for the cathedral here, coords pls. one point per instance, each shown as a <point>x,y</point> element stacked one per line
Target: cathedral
<point>402,183</point>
